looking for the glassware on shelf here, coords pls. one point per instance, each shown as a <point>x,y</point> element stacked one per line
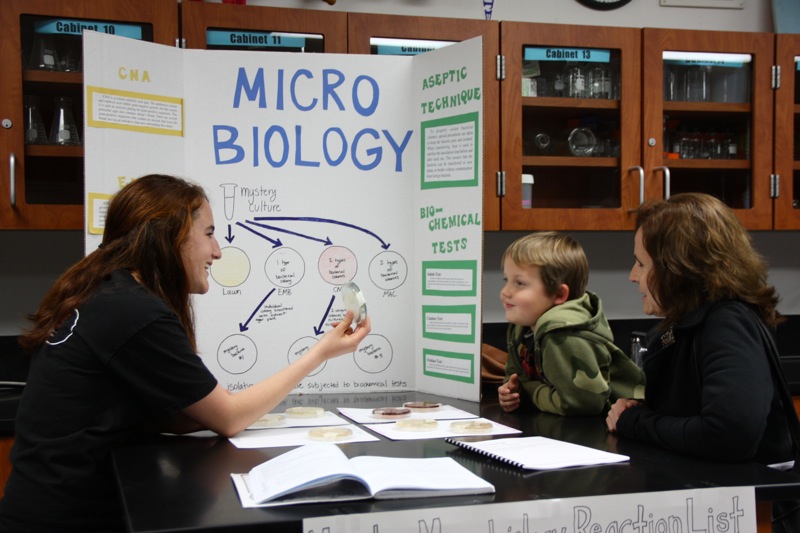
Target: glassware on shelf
<point>34,125</point>
<point>696,84</point>
<point>730,84</point>
<point>538,142</point>
<point>65,130</point>
<point>576,81</point>
<point>599,82</point>
<point>691,145</point>
<point>712,147</point>
<point>559,86</point>
<point>44,56</point>
<point>581,142</point>
<point>673,84</point>
<point>70,52</point>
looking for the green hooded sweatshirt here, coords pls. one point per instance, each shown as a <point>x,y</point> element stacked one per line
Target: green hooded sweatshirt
<point>569,364</point>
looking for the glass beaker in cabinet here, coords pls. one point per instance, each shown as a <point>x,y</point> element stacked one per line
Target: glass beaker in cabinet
<point>600,82</point>
<point>707,77</point>
<point>575,75</point>
<point>34,125</point>
<point>65,129</point>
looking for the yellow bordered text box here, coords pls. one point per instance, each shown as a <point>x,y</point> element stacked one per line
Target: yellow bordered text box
<point>134,111</point>
<point>97,206</point>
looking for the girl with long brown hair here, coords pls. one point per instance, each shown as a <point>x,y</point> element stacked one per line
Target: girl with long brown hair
<point>114,354</point>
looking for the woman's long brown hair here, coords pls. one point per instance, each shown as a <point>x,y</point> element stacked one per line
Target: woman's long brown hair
<point>147,223</point>
<point>701,253</point>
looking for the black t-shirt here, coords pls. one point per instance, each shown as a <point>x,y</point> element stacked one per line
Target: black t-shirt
<point>117,364</point>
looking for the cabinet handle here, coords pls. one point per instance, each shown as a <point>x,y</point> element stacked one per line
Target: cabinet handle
<point>12,171</point>
<point>667,185</point>
<point>641,183</point>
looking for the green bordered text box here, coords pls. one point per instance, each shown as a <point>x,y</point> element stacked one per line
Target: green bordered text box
<point>447,144</point>
<point>450,278</point>
<point>455,323</point>
<point>449,365</point>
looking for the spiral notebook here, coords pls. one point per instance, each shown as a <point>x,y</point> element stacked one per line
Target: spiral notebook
<point>538,453</point>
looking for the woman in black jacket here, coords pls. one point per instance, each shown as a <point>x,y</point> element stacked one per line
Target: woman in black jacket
<point>709,391</point>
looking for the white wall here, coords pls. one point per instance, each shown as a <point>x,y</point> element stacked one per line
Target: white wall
<point>33,260</point>
<point>755,16</point>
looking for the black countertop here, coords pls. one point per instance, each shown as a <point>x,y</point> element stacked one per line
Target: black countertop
<point>183,483</point>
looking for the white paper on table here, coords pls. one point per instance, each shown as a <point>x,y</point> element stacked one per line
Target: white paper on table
<point>327,419</point>
<point>540,453</point>
<point>443,430</point>
<point>276,437</point>
<point>445,412</point>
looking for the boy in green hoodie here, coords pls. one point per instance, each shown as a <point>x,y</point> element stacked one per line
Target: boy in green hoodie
<point>561,354</point>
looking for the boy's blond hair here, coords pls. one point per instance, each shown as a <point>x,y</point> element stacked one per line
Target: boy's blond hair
<point>561,260</point>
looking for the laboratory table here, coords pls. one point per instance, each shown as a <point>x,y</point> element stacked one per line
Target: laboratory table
<point>183,483</point>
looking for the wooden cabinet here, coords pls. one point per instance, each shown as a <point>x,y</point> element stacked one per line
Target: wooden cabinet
<point>41,183</point>
<point>570,114</point>
<point>273,29</point>
<point>364,32</point>
<point>703,90</point>
<point>787,133</point>
<point>706,124</point>
<point>553,158</point>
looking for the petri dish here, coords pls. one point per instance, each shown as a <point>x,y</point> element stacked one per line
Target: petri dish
<point>270,420</point>
<point>354,301</point>
<point>471,426</point>
<point>330,434</point>
<point>416,424</point>
<point>304,412</point>
<point>423,407</point>
<point>391,413</point>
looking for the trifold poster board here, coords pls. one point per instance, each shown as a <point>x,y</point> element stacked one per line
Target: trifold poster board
<point>321,169</point>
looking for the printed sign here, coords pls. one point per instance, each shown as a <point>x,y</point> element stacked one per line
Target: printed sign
<point>713,510</point>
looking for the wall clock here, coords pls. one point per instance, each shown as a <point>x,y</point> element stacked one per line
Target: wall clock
<point>604,5</point>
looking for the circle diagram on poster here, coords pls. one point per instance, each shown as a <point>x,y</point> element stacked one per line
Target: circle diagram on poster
<point>374,355</point>
<point>388,270</point>
<point>337,265</point>
<point>237,354</point>
<point>232,269</point>
<point>300,347</point>
<point>285,267</point>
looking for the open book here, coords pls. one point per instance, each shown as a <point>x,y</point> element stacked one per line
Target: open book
<point>322,473</point>
<point>538,453</point>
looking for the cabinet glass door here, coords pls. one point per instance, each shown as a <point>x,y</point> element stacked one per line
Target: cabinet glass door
<point>41,100</point>
<point>787,133</point>
<point>236,27</point>
<point>53,103</point>
<point>570,127</point>
<point>707,118</point>
<point>404,35</point>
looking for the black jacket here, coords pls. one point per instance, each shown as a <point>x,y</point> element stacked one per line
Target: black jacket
<point>710,390</point>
